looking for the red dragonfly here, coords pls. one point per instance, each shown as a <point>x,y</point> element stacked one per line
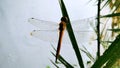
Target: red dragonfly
<point>50,31</point>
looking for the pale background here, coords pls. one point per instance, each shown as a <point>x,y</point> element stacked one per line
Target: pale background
<point>20,50</point>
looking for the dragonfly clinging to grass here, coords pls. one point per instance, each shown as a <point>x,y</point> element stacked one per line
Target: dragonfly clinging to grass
<point>51,31</point>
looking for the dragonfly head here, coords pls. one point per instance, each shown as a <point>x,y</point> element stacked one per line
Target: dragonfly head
<point>65,19</point>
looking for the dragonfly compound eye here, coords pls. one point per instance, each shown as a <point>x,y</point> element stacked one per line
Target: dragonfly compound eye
<point>64,19</point>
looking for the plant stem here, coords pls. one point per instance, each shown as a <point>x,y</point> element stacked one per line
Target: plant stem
<point>71,35</point>
<point>98,29</point>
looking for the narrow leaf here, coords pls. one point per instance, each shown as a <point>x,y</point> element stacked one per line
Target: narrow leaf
<point>64,62</point>
<point>112,51</point>
<point>54,64</point>
<point>111,15</point>
<point>107,2</point>
<point>71,34</point>
<point>114,30</point>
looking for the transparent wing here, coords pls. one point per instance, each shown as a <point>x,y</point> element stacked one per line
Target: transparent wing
<point>43,25</point>
<point>49,30</point>
<point>53,36</point>
<point>85,37</point>
<point>78,25</point>
<point>49,35</point>
<point>83,24</point>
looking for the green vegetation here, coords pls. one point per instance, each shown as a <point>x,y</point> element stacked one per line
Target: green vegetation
<point>111,43</point>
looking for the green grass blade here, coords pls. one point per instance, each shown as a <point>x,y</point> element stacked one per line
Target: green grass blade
<point>111,62</point>
<point>54,64</point>
<point>88,54</point>
<point>63,61</point>
<point>111,15</point>
<point>112,51</point>
<point>107,3</point>
<point>68,65</point>
<point>114,30</point>
<point>71,34</point>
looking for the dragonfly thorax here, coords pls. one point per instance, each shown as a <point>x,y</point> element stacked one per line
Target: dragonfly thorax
<point>62,25</point>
